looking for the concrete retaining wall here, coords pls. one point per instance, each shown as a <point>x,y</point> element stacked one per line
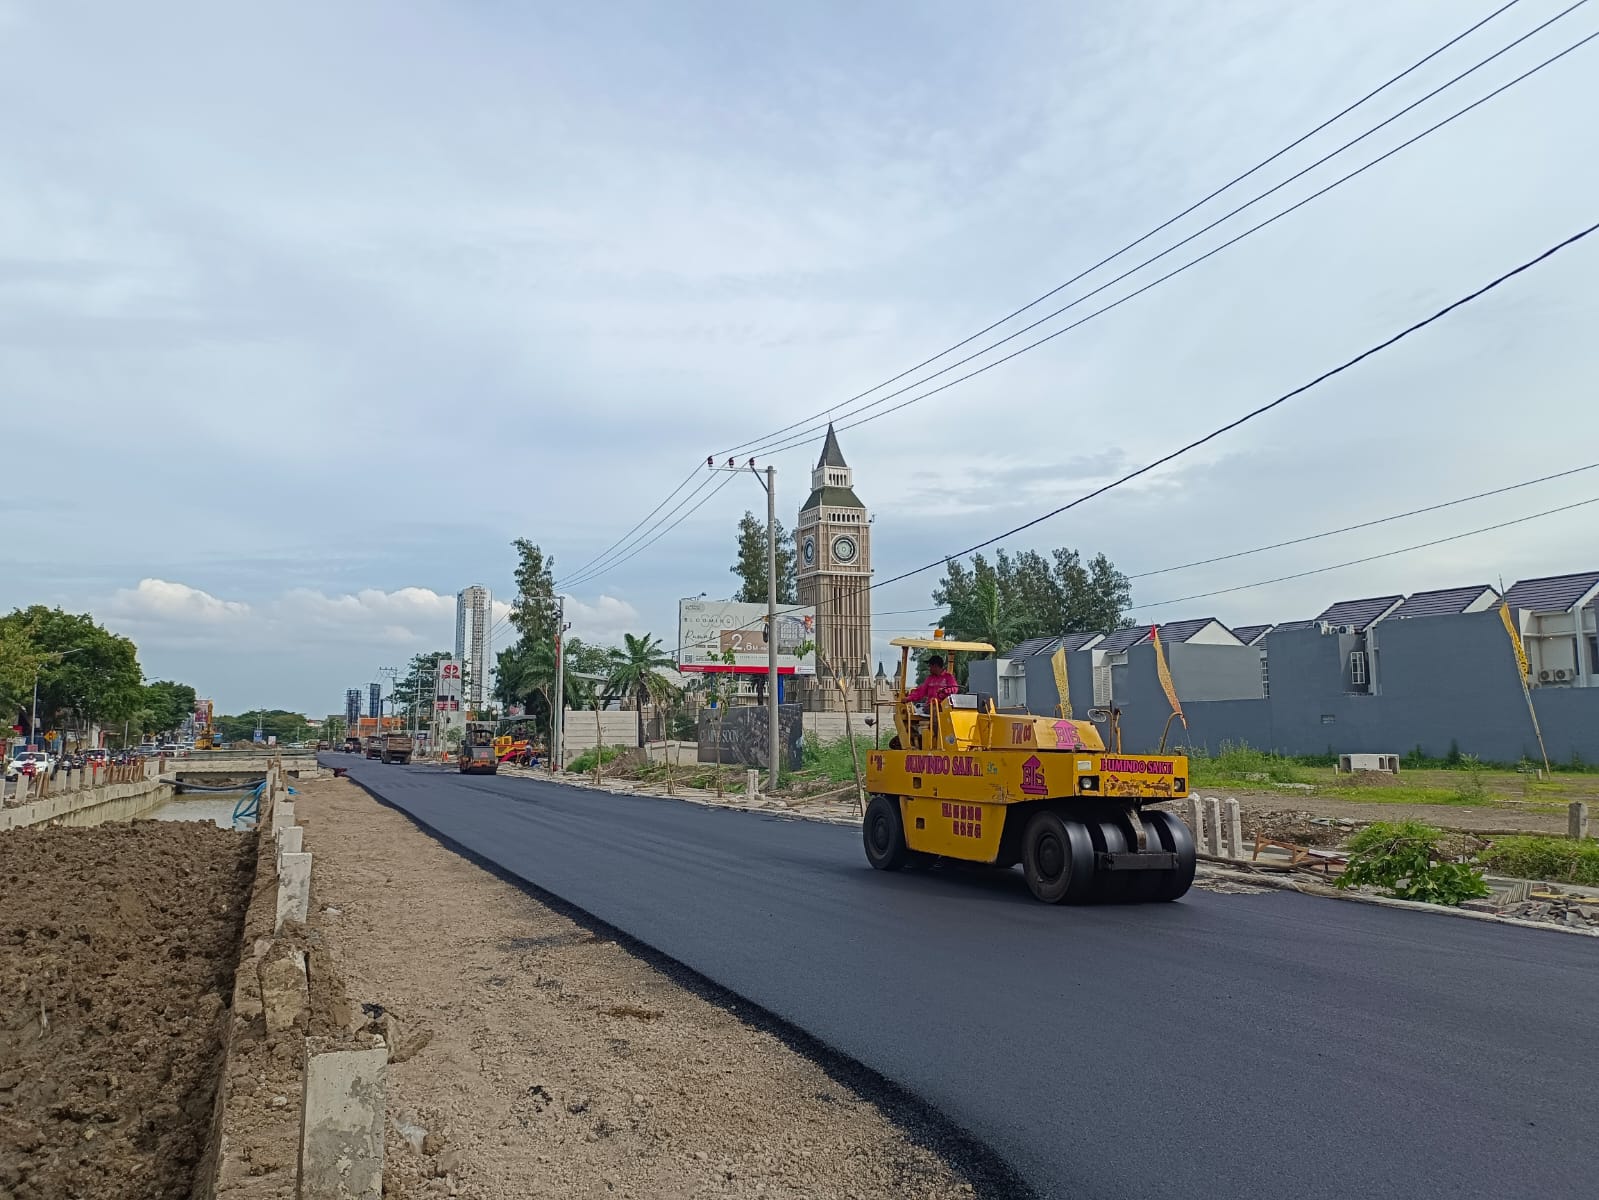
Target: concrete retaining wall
<point>90,805</point>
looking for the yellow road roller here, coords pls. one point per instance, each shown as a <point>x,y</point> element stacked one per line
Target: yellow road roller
<point>960,779</point>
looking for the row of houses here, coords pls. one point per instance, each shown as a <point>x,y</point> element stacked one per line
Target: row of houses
<point>1381,674</point>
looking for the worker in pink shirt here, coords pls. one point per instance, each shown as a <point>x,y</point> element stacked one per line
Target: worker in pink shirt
<point>939,684</point>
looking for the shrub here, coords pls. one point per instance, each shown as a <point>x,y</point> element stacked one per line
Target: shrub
<point>585,762</point>
<point>1404,858</point>
<point>1473,790</point>
<point>1452,759</point>
<point>1555,859</point>
<point>1240,762</point>
<point>832,759</point>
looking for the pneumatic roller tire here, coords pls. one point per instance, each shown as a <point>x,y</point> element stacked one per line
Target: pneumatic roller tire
<point>1110,837</point>
<point>1176,837</point>
<point>1148,886</point>
<point>883,833</point>
<point>1057,859</point>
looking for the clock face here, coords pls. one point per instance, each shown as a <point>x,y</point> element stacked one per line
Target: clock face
<point>808,550</point>
<point>844,549</point>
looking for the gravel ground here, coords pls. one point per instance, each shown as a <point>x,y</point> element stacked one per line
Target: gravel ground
<point>561,1065</point>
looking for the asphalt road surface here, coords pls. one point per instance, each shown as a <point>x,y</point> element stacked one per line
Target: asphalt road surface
<point>1223,1046</point>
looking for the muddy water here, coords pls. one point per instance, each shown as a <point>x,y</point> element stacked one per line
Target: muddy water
<point>215,807</point>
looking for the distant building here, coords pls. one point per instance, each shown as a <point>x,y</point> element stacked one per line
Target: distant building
<point>1384,674</point>
<point>352,707</point>
<point>472,619</point>
<point>374,708</point>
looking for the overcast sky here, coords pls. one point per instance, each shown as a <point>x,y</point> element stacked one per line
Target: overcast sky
<point>307,310</point>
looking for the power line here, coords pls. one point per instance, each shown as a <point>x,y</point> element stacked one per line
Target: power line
<point>1354,562</point>
<point>1370,352</point>
<point>687,479</point>
<point>726,479</point>
<point>1347,364</point>
<point>810,435</point>
<point>1239,178</point>
<point>1166,224</point>
<point>1414,512</point>
<point>607,562</point>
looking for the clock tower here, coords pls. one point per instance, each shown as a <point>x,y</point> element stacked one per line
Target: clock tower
<point>834,549</point>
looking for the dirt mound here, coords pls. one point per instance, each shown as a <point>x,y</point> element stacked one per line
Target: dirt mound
<point>117,952</point>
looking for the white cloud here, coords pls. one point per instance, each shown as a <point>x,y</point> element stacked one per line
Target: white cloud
<point>604,620</point>
<point>159,601</point>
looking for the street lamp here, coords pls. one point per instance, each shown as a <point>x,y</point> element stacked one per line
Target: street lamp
<point>33,720</point>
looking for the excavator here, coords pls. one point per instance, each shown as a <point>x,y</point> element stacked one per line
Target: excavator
<point>961,780</point>
<point>205,735</point>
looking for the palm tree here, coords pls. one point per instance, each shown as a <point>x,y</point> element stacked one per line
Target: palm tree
<point>636,671</point>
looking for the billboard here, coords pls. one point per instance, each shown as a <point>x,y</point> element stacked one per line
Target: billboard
<point>708,629</point>
<point>447,686</point>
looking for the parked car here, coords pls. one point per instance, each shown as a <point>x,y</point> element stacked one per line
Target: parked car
<point>29,762</point>
<point>96,757</point>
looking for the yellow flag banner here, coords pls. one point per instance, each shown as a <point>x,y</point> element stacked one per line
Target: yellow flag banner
<point>1058,662</point>
<point>1164,672</point>
<point>1515,639</point>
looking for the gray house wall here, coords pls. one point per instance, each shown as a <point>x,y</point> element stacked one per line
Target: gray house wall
<point>1438,681</point>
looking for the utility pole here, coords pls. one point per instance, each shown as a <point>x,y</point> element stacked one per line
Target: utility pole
<point>558,707</point>
<point>774,734</point>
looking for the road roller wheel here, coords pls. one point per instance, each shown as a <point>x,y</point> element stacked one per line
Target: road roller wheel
<point>1057,859</point>
<point>883,832</point>
<point>1175,837</point>
<point>1112,835</point>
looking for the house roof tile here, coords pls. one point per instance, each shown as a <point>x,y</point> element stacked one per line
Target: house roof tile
<point>1359,613</point>
<point>1553,593</point>
<point>1440,603</point>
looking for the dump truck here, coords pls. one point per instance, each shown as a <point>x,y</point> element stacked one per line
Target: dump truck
<point>396,748</point>
<point>373,746</point>
<point>476,755</point>
<point>352,744</point>
<point>961,780</point>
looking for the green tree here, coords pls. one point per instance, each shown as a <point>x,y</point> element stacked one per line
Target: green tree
<point>19,658</point>
<point>1013,598</point>
<point>167,704</point>
<point>536,611</point>
<point>414,691</point>
<point>636,673</point>
<point>86,672</point>
<point>750,565</point>
<point>280,723</point>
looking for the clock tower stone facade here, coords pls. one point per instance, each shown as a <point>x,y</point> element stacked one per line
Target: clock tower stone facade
<point>834,560</point>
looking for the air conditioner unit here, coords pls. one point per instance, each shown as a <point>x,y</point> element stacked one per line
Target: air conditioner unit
<point>1543,676</point>
<point>1347,629</point>
<point>1561,674</point>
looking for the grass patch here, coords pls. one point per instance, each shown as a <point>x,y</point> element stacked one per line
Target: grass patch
<point>1239,765</point>
<point>831,760</point>
<point>584,763</point>
<point>1558,860</point>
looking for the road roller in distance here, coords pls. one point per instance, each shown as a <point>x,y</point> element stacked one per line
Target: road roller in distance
<point>961,780</point>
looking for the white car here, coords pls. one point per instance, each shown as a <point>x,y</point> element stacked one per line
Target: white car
<point>29,762</point>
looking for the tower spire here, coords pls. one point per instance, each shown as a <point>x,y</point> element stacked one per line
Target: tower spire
<point>832,456</point>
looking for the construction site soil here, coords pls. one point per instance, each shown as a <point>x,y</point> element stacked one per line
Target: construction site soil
<point>117,952</point>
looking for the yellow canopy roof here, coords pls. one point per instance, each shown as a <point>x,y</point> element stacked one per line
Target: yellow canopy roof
<point>942,644</point>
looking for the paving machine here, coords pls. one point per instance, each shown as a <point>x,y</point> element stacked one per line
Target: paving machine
<point>963,780</point>
<point>476,755</point>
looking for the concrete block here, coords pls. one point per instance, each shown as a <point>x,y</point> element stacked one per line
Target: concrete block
<point>282,813</point>
<point>285,993</point>
<point>1213,823</point>
<point>752,783</point>
<point>294,888</point>
<point>1233,829</point>
<point>1196,820</point>
<point>1577,819</point>
<point>341,1123</point>
<point>291,841</point>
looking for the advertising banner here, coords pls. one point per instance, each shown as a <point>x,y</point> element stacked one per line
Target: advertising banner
<point>447,686</point>
<point>708,630</point>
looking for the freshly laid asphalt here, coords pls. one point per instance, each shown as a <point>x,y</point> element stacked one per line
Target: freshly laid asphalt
<point>1222,1046</point>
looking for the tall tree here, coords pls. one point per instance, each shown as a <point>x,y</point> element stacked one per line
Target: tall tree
<point>167,704</point>
<point>536,611</point>
<point>636,673</point>
<point>415,689</point>
<point>86,672</point>
<point>1014,598</point>
<point>750,565</point>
